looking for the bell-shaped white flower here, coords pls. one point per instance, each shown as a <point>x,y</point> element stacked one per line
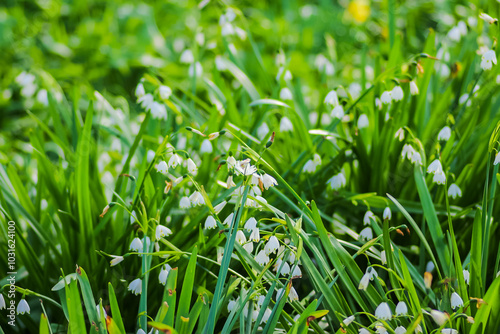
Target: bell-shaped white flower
<point>456,300</point>
<point>449,331</point>
<point>383,257</point>
<point>268,181</point>
<point>240,237</point>
<point>338,112</point>
<point>439,178</point>
<point>435,167</point>
<point>366,234</point>
<point>210,223</point>
<point>139,90</point>
<point>286,94</point>
<point>161,167</point>
<point>286,124</point>
<point>174,160</point>
<point>116,259</point>
<point>296,272</point>
<point>191,166</point>
<point>347,321</point>
<point>400,134</point>
<point>255,235</point>
<point>187,57</point>
<point>135,286</point>
<point>332,98</point>
<point>401,308</point>
<point>162,277</point>
<point>293,296</point>
<point>364,331</point>
<point>439,317</point>
<point>2,302</point>
<point>416,159</point>
<point>309,167</point>
<point>368,216</point>
<point>219,207</point>
<point>262,258</point>
<point>184,203</point>
<point>206,147</point>
<point>397,93</point>
<point>497,159</point>
<point>162,231</point>
<point>23,307</point>
<point>250,224</point>
<point>196,199</point>
<point>445,133</point>
<point>136,245</point>
<point>488,59</point>
<point>413,88</point>
<point>466,276</point>
<point>363,121</point>
<point>386,97</point>
<point>271,245</point>
<point>165,92</point>
<point>337,181</point>
<point>400,330</point>
<point>365,281</point>
<point>454,191</point>
<point>262,130</point>
<point>387,213</point>
<point>407,151</point>
<point>383,312</point>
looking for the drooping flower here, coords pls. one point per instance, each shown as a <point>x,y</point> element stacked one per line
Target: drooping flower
<point>116,259</point>
<point>162,167</point>
<point>386,97</point>
<point>23,307</point>
<point>439,178</point>
<point>488,59</point>
<point>397,93</point>
<point>184,203</point>
<point>240,237</point>
<point>262,258</point>
<point>466,276</point>
<point>383,257</point>
<point>449,331</point>
<point>196,199</point>
<point>250,224</point>
<point>365,280</point>
<point>363,331</point>
<point>255,235</point>
<point>347,321</point>
<point>229,219</point>
<point>286,94</point>
<point>366,234</point>
<point>401,308</point>
<point>363,121</point>
<point>135,286</point>
<point>210,223</point>
<point>407,151</point>
<point>165,92</point>
<point>487,18</point>
<point>337,181</point>
<point>293,295</point>
<point>162,277</point>
<point>162,231</point>
<point>136,245</point>
<point>285,124</point>
<point>268,181</point>
<point>338,112</point>
<point>387,213</point>
<point>271,245</point>
<point>445,133</point>
<point>218,208</point>
<point>456,300</point>
<point>368,215</point>
<point>400,330</point>
<point>416,159</point>
<point>435,167</point>
<point>187,57</point>
<point>454,191</point>
<point>413,88</point>
<point>309,167</point>
<point>439,317</point>
<point>2,302</point>
<point>400,134</point>
<point>191,166</point>
<point>206,147</point>
<point>331,98</point>
<point>139,90</point>
<point>383,312</point>
<point>497,159</point>
<point>174,160</point>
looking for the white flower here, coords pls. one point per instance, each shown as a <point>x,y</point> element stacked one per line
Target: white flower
<point>162,167</point>
<point>337,181</point>
<point>150,156</point>
<point>174,160</point>
<point>206,146</point>
<point>400,330</point>
<point>251,224</point>
<point>332,98</point>
<point>366,218</point>
<point>210,223</point>
<point>365,280</point>
<point>136,245</point>
<point>497,159</point>
<point>184,203</point>
<point>449,331</point>
<point>158,110</point>
<point>309,167</point>
<point>255,235</point>
<point>218,208</point>
<point>42,97</point>
<point>407,151</point>
<point>401,308</point>
<point>347,321</point>
<point>386,97</point>
<point>439,178</point>
<point>99,308</point>
<point>165,92</point>
<point>317,159</point>
<point>363,121</point>
<point>366,234</point>
<point>338,112</point>
<point>413,88</point>
<point>466,276</point>
<point>439,317</point>
<point>363,331</point>
<point>240,237</point>
<point>262,130</point>
<point>487,18</point>
<point>271,245</point>
<point>387,213</point>
<point>400,134</point>
<point>378,104</point>
<point>262,258</point>
<point>229,219</point>
<point>248,247</point>
<point>297,272</point>
<point>383,257</point>
<point>2,302</point>
<point>195,70</point>
<point>435,167</point>
<point>230,305</point>
<point>116,259</point>
<point>214,135</point>
<point>397,93</point>
<point>135,286</point>
<point>454,34</point>
<point>293,296</point>
<point>416,159</point>
<point>187,57</point>
<point>285,124</point>
<point>444,134</point>
<point>162,277</point>
<point>23,307</point>
<point>146,101</point>
<point>383,312</point>
<point>488,59</point>
<point>268,181</point>
<point>456,300</point>
<point>191,166</point>
<point>286,94</point>
<point>196,199</point>
<point>231,162</point>
<point>162,231</point>
<point>454,191</point>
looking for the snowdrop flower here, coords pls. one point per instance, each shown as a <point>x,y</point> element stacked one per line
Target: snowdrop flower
<point>230,305</point>
<point>497,159</point>
<point>150,156</point>
<point>387,213</point>
<point>141,331</point>
<point>184,203</point>
<point>158,110</point>
<point>206,147</point>
<point>195,70</point>
<point>139,90</point>
<point>248,247</point>
<point>380,328</point>
<point>454,191</point>
<point>365,280</point>
<point>400,330</point>
<point>255,235</point>
<point>23,307</point>
<point>297,272</point>
<point>416,159</point>
<point>466,276</point>
<point>378,104</point>
<point>196,199</point>
<point>487,18</point>
<point>332,98</point>
<point>191,166</point>
<point>286,124</point>
<point>187,57</point>
<point>2,302</point>
<point>488,59</point>
<point>383,312</point>
<point>210,223</point>
<point>435,167</point>
<point>271,245</point>
<point>364,331</point>
<point>240,237</point>
<point>218,208</point>
<point>251,224</point>
<point>366,234</point>
<point>439,317</point>
<point>454,34</point>
<point>146,101</point>
<point>135,286</point>
<point>456,300</point>
<point>268,181</point>
<point>449,331</point>
<point>229,219</point>
<point>363,121</point>
<point>439,178</point>
<point>293,296</point>
<point>136,245</point>
<point>174,160</point>
<point>116,259</point>
<point>444,134</point>
<point>400,134</point>
<point>309,167</point>
<point>366,218</point>
<point>42,97</point>
<point>286,94</point>
<point>262,258</point>
<point>347,321</point>
<point>383,257</point>
<point>262,131</point>
<point>413,88</point>
<point>407,151</point>
<point>162,277</point>
<point>386,97</point>
<point>162,167</point>
<point>401,308</point>
<point>397,93</point>
<point>338,112</point>
<point>337,181</point>
<point>162,231</point>
<point>165,92</point>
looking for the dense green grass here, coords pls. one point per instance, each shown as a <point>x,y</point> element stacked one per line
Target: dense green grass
<point>358,225</point>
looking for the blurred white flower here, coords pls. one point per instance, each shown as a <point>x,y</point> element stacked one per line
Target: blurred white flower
<point>196,199</point>
<point>162,231</point>
<point>466,275</point>
<point>497,159</point>
<point>161,167</point>
<point>23,307</point>
<point>487,18</point>
<point>135,286</point>
<point>400,134</point>
<point>488,59</point>
<point>439,317</point>
<point>187,57</point>
<point>337,181</point>
<point>165,92</point>
<point>439,178</point>
<point>368,215</point>
<point>262,130</point>
<point>158,110</point>
<point>363,121</point>
<point>397,93</point>
<point>416,159</point>
<point>332,98</point>
<point>383,312</point>
<point>449,331</point>
<point>386,97</point>
<point>218,208</point>
<point>268,181</point>
<point>338,112</point>
<point>184,203</point>
<point>174,160</point>
<point>445,133</point>
<point>206,147</point>
<point>285,124</point>
<point>454,191</point>
<point>116,259</point>
<point>262,258</point>
<point>456,300</point>
<point>413,88</point>
<point>195,70</point>
<point>286,94</point>
<point>2,302</point>
<point>309,167</point>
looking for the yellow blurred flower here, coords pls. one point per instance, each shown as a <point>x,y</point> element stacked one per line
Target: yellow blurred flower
<point>359,10</point>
